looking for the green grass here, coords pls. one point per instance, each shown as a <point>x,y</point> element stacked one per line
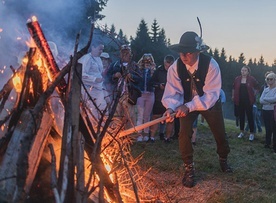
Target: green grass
<point>253,180</point>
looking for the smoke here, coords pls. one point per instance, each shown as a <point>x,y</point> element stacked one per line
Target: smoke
<point>60,21</point>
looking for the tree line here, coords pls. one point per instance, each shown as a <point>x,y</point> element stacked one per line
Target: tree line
<point>153,40</point>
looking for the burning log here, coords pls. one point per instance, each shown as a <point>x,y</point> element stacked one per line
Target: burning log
<point>30,133</point>
<point>43,46</point>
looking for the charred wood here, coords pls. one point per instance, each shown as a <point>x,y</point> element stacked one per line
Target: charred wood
<point>43,46</point>
<point>70,132</point>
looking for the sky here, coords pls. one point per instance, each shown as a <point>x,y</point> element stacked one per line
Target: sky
<point>238,26</point>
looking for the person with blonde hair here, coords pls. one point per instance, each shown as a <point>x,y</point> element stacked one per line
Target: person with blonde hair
<point>146,101</point>
<point>268,100</point>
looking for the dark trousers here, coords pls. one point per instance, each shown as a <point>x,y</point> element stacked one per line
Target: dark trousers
<point>176,127</point>
<point>270,127</point>
<point>214,118</point>
<point>248,110</point>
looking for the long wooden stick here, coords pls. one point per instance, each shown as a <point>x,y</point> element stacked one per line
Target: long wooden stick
<point>142,126</point>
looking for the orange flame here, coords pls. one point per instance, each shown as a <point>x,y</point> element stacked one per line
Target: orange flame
<point>17,83</point>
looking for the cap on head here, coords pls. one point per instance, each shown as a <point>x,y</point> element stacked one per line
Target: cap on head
<point>189,42</point>
<point>104,55</point>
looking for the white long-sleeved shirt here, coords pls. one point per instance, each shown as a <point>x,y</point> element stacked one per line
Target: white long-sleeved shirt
<point>92,68</point>
<point>173,96</point>
<point>268,98</point>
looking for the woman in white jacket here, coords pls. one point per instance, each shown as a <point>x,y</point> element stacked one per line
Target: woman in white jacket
<point>268,100</point>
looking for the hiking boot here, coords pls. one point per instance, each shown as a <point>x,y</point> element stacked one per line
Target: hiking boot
<point>224,166</point>
<point>251,137</point>
<point>189,175</point>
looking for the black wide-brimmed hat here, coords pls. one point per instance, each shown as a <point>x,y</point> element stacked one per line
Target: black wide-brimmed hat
<point>189,42</point>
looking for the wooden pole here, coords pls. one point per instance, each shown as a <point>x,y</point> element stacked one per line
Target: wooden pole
<point>143,126</point>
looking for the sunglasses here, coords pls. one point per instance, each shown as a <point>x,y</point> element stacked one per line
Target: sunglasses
<point>269,79</point>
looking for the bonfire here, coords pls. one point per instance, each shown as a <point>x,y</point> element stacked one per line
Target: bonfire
<point>43,116</point>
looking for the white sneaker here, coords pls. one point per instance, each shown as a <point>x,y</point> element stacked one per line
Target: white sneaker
<point>251,137</point>
<point>146,138</point>
<point>139,139</point>
<point>240,135</point>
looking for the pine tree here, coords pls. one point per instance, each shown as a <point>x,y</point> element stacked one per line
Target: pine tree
<point>141,43</point>
<point>241,59</point>
<point>155,31</point>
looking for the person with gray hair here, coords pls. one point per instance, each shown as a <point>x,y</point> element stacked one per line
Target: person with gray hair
<point>268,100</point>
<point>193,88</point>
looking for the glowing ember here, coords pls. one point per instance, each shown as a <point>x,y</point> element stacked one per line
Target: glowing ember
<point>3,127</point>
<point>34,18</point>
<point>17,83</point>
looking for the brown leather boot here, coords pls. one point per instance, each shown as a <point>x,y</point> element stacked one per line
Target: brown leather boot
<point>188,179</point>
<point>224,166</point>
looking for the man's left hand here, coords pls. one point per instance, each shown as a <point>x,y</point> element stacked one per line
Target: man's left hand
<point>182,111</point>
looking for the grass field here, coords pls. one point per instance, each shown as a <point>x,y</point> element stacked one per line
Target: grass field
<point>253,180</point>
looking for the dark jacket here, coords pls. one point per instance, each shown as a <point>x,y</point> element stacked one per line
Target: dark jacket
<point>145,85</point>
<point>159,77</point>
<point>131,68</point>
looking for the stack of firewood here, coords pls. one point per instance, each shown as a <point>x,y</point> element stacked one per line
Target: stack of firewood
<point>80,155</point>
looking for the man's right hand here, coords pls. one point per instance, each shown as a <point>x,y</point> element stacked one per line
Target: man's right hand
<point>169,117</point>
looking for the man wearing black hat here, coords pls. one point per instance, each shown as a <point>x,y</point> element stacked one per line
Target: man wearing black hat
<point>193,87</point>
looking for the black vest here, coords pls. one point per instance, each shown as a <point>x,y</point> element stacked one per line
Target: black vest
<point>198,76</point>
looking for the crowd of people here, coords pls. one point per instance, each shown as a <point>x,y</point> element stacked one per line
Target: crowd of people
<point>179,89</point>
